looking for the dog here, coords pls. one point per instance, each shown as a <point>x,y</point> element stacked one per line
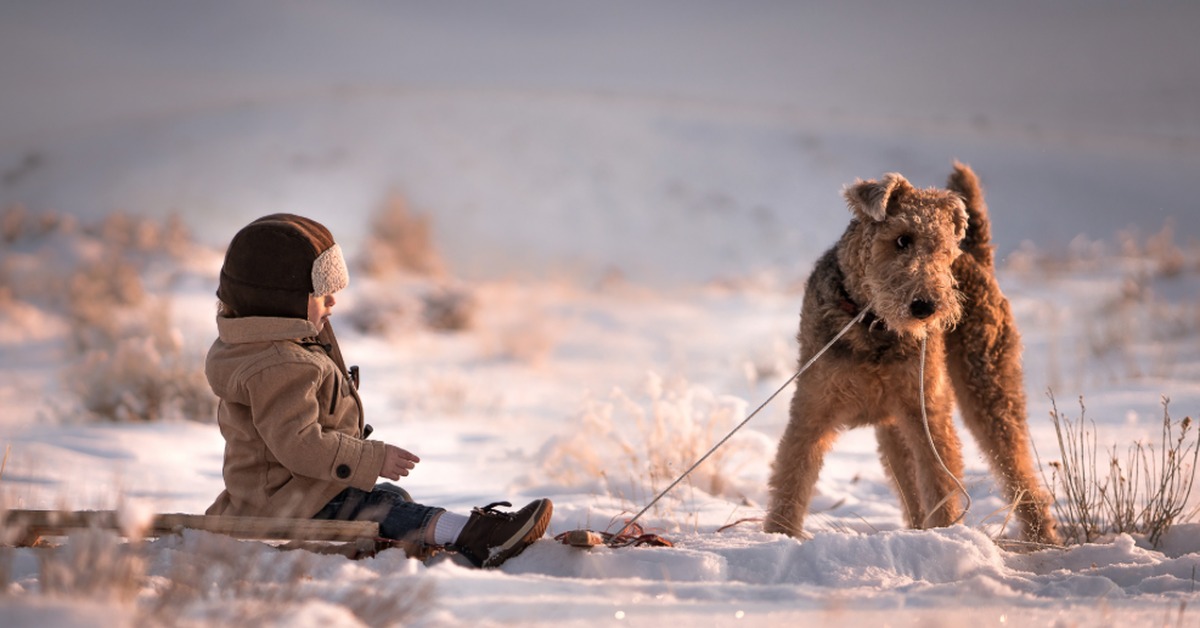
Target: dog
<point>916,267</point>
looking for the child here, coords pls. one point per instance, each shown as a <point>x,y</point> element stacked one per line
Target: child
<point>295,441</point>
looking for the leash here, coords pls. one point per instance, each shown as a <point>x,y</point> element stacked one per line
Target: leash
<point>929,437</point>
<point>621,537</point>
<point>739,426</point>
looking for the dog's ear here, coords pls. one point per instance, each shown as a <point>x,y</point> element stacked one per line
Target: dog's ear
<point>871,199</point>
<point>960,217</point>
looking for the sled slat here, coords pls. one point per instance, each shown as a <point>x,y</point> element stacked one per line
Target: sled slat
<point>34,523</point>
<point>269,527</point>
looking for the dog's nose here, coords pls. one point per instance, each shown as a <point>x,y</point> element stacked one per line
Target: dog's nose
<point>922,309</point>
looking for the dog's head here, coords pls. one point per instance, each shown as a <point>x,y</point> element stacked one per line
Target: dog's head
<point>897,252</point>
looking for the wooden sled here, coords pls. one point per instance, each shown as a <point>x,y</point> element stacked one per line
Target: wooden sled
<point>633,536</point>
<point>359,539</point>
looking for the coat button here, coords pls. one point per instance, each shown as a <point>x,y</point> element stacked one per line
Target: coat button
<point>343,471</point>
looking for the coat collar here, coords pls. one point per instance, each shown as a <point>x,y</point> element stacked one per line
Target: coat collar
<point>263,329</point>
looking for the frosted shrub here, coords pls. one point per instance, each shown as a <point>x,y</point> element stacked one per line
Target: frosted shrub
<point>449,309</point>
<point>400,256</point>
<point>136,381</point>
<point>399,241</point>
<point>133,234</point>
<point>1160,253</point>
<point>652,440</point>
<point>97,296</point>
<point>1153,256</point>
<point>126,361</point>
<point>131,363</point>
<point>378,313</point>
<point>18,223</point>
<point>394,308</point>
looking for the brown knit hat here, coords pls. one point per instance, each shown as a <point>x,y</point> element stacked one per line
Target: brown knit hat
<point>274,263</point>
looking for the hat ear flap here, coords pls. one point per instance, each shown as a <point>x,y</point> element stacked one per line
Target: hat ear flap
<point>329,272</point>
<point>871,199</point>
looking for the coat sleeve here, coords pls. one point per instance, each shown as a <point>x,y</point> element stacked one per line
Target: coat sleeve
<point>287,412</point>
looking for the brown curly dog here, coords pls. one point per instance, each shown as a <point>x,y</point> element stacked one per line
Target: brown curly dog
<point>917,263</point>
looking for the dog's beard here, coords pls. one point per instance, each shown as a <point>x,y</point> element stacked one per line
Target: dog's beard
<point>896,314</point>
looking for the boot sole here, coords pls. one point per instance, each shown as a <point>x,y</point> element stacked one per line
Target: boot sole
<point>530,532</point>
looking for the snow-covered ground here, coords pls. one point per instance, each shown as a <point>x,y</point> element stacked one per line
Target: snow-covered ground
<point>597,397</point>
<point>634,245</point>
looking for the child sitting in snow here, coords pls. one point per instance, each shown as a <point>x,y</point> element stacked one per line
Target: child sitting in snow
<point>295,441</point>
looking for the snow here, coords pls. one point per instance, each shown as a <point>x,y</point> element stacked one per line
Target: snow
<point>632,199</point>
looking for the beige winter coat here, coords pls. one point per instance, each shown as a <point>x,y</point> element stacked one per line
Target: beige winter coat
<point>291,419</point>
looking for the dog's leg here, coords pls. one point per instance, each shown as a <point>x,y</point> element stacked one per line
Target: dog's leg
<point>939,499</point>
<point>938,490</point>
<point>809,435</point>
<point>897,462</point>
<point>984,361</point>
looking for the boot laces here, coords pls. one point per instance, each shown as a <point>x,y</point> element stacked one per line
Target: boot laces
<point>490,510</point>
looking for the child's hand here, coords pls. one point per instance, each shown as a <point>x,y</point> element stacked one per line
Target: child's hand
<point>397,462</point>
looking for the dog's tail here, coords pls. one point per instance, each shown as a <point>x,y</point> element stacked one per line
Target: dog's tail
<point>978,241</point>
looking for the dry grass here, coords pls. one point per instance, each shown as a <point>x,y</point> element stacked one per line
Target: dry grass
<point>102,284</point>
<point>384,311</point>
<point>17,223</point>
<point>1133,320</point>
<point>647,443</point>
<point>1157,255</point>
<point>401,306</point>
<point>410,282</point>
<point>449,308</point>
<point>217,579</point>
<point>1144,490</point>
<point>207,579</point>
<point>1166,258</point>
<point>131,364</point>
<point>136,381</point>
<point>93,564</point>
<point>400,241</point>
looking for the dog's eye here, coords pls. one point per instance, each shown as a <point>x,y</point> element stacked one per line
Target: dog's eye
<point>904,241</point>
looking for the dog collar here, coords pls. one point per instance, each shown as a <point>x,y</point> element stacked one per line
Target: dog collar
<point>847,305</point>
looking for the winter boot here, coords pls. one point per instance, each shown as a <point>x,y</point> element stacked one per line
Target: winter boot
<point>491,537</point>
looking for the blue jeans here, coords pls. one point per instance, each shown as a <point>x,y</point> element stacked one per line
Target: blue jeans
<point>398,516</point>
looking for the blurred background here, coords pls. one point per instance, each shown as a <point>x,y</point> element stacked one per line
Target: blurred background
<point>543,200</point>
<point>665,140</point>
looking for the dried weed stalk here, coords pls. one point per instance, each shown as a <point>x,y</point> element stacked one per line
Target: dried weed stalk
<point>1143,492</point>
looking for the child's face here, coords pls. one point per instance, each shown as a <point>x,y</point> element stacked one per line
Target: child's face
<point>319,309</point>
